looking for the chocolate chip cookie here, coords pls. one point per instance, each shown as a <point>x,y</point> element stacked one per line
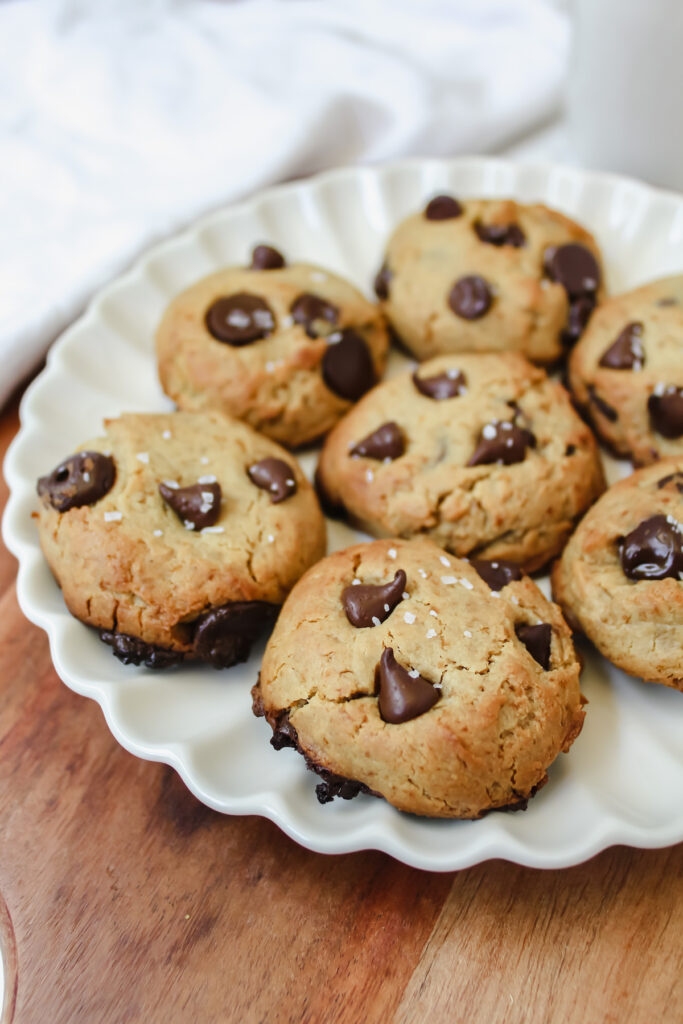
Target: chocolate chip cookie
<point>489,275</point>
<point>620,578</point>
<point>447,687</point>
<point>627,371</point>
<point>482,453</point>
<point>178,536</point>
<point>288,349</point>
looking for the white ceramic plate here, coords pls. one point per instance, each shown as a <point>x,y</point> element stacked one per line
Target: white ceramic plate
<point>622,781</point>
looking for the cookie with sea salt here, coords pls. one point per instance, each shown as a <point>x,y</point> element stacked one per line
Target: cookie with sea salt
<point>626,372</point>
<point>288,349</point>
<point>489,275</point>
<point>444,686</point>
<point>620,578</point>
<point>178,536</point>
<point>483,454</point>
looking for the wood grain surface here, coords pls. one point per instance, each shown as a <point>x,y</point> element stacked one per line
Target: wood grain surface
<point>127,900</point>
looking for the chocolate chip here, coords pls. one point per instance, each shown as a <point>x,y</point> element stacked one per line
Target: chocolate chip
<point>470,297</point>
<point>666,410</point>
<point>654,550</point>
<point>676,479</point>
<point>578,315</point>
<point>443,208</point>
<point>82,479</point>
<point>274,476</point>
<point>132,651</point>
<point>316,315</point>
<point>626,353</point>
<point>347,365</point>
<point>536,639</point>
<point>382,282</point>
<point>336,785</point>
<point>574,267</point>
<point>224,635</point>
<point>497,574</point>
<point>502,442</point>
<point>402,696</point>
<point>384,443</point>
<point>197,506</point>
<point>264,257</point>
<point>240,319</point>
<point>284,733</point>
<point>444,385</point>
<point>501,234</point>
<point>602,406</point>
<point>668,301</point>
<point>570,449</point>
<point>368,605</point>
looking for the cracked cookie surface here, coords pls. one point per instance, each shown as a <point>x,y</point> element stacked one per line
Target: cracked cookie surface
<point>620,578</point>
<point>287,349</point>
<point>182,548</point>
<point>486,457</point>
<point>499,718</point>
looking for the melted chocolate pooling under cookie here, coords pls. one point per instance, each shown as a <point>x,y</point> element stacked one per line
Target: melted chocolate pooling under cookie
<point>497,574</point>
<point>443,208</point>
<point>536,639</point>
<point>197,506</point>
<point>666,411</point>
<point>347,365</point>
<point>403,695</point>
<point>82,479</point>
<point>132,651</point>
<point>654,550</point>
<point>274,476</point>
<point>265,257</point>
<point>316,315</point>
<point>223,636</point>
<point>367,605</point>
<point>502,442</point>
<point>444,385</point>
<point>385,443</point>
<point>626,353</point>
<point>470,297</point>
<point>240,319</point>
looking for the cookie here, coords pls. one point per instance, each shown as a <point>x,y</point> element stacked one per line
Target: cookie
<point>620,578</point>
<point>489,275</point>
<point>288,349</point>
<point>626,372</point>
<point>482,453</point>
<point>398,670</point>
<point>178,536</point>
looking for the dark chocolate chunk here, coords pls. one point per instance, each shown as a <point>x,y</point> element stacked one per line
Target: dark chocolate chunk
<point>240,319</point>
<point>132,651</point>
<point>570,449</point>
<point>580,312</point>
<point>403,694</point>
<point>368,605</point>
<point>265,257</point>
<point>316,315</point>
<point>336,785</point>
<point>347,365</point>
<point>274,476</point>
<point>536,639</point>
<point>384,443</point>
<point>501,234</point>
<point>197,506</point>
<point>574,267</point>
<point>626,353</point>
<point>224,635</point>
<point>443,208</point>
<point>602,406</point>
<point>284,733</point>
<point>470,297</point>
<point>654,550</point>
<point>382,282</point>
<point>666,411</point>
<point>444,385</point>
<point>497,574</point>
<point>502,442</point>
<point>82,479</point>
<point>673,479</point>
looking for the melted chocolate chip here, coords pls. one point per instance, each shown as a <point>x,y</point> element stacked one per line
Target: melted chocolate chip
<point>240,319</point>
<point>264,257</point>
<point>131,651</point>
<point>382,282</point>
<point>574,267</point>
<point>470,297</point>
<point>224,635</point>
<point>536,639</point>
<point>336,785</point>
<point>82,479</point>
<point>284,733</point>
<point>673,479</point>
<point>368,605</point>
<point>502,442</point>
<point>384,443</point>
<point>196,506</point>
<point>347,365</point>
<point>570,449</point>
<point>316,315</point>
<point>497,574</point>
<point>443,208</point>
<point>444,385</point>
<point>602,406</point>
<point>501,234</point>
<point>626,353</point>
<point>580,312</point>
<point>402,696</point>
<point>654,550</point>
<point>274,476</point>
<point>666,411</point>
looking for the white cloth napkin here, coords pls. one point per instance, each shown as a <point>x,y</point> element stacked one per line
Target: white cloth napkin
<point>121,120</point>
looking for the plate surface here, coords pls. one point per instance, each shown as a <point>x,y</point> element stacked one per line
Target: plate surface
<point>622,781</point>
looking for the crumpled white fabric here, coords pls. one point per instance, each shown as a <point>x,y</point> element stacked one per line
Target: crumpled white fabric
<point>121,120</point>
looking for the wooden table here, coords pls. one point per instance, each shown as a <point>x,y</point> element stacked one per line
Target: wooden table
<point>127,900</point>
